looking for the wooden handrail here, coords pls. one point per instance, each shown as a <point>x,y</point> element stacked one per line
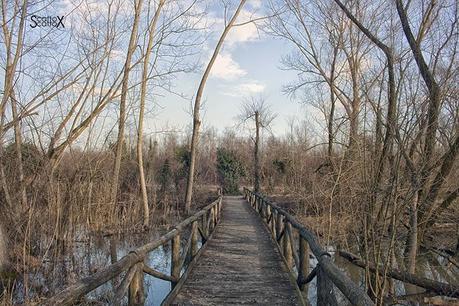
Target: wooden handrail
<point>281,225</point>
<point>133,262</point>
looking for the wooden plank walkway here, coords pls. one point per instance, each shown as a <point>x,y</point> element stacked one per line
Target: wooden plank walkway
<point>241,264</point>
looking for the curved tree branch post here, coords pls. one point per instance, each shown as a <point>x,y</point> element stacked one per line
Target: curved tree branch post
<point>197,106</point>
<point>143,92</point>
<point>124,90</point>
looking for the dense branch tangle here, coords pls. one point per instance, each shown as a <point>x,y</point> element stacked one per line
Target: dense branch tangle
<point>281,225</point>
<point>202,224</point>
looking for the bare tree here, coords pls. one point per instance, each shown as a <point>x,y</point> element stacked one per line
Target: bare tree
<point>143,91</point>
<point>256,111</point>
<point>197,106</point>
<point>124,91</point>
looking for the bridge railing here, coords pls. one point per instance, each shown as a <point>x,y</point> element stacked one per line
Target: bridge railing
<point>296,255</point>
<point>133,265</point>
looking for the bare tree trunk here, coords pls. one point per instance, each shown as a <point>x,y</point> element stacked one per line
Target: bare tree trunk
<point>392,106</point>
<point>124,89</point>
<point>143,92</point>
<point>429,79</point>
<point>256,153</point>
<point>11,64</point>
<point>18,147</point>
<point>355,104</point>
<point>412,245</point>
<point>390,130</point>
<point>412,242</point>
<point>197,106</point>
<point>332,105</point>
<point>428,195</point>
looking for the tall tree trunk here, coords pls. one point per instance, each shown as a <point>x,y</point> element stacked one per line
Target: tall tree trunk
<point>412,242</point>
<point>392,106</point>
<point>429,80</point>
<point>256,153</point>
<point>354,116</point>
<point>432,121</point>
<point>124,90</point>
<point>143,92</point>
<point>391,120</point>
<point>332,105</point>
<point>12,60</point>
<point>18,147</point>
<point>197,106</point>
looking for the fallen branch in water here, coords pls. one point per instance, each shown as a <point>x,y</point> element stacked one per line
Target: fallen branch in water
<point>440,288</point>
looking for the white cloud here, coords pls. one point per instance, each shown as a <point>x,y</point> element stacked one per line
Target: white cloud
<point>244,33</point>
<point>226,68</point>
<point>252,88</point>
<point>248,88</point>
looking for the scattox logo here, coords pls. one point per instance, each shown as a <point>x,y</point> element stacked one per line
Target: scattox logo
<point>47,21</point>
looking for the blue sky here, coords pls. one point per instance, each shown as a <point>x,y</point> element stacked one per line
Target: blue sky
<point>249,64</point>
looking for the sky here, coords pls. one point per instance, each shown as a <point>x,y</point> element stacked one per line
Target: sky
<point>249,64</point>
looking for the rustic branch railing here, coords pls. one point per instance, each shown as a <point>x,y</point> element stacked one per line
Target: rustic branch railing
<point>282,225</point>
<point>202,225</point>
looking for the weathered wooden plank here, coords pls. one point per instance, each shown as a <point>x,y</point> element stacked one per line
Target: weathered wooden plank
<point>171,296</point>
<point>241,264</point>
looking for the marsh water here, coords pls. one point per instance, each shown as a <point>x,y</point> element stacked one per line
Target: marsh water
<point>88,255</point>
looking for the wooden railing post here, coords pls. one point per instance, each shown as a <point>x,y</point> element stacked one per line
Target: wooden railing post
<point>204,224</point>
<point>287,244</point>
<point>268,215</point>
<point>265,211</point>
<point>303,269</point>
<point>273,223</point>
<point>210,220</point>
<point>136,287</point>
<point>279,226</point>
<point>212,213</point>
<point>175,261</point>
<point>325,292</point>
<point>194,238</point>
<point>220,204</point>
<point>262,211</point>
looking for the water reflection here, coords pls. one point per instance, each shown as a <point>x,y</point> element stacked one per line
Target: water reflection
<point>88,255</point>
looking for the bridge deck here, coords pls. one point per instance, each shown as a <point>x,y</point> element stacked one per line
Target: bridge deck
<point>241,264</point>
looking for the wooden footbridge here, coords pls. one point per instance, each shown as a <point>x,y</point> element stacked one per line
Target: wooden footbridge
<point>239,250</point>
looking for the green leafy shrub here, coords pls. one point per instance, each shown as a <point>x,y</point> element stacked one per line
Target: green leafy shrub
<point>230,170</point>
